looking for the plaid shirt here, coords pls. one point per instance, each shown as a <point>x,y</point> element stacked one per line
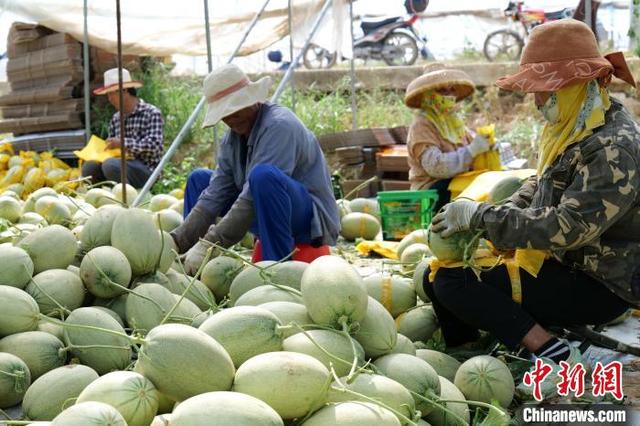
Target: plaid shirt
<point>144,133</point>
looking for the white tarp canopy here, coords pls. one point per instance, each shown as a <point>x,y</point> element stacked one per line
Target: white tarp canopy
<point>166,27</point>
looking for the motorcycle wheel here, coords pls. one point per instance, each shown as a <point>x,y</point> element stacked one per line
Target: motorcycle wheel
<point>316,57</point>
<point>503,45</point>
<point>399,49</point>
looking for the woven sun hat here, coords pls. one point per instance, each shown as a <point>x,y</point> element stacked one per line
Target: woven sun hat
<point>437,76</point>
<point>111,82</point>
<point>228,90</point>
<point>562,53</point>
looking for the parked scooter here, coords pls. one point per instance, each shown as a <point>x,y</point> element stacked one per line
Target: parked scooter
<point>393,40</point>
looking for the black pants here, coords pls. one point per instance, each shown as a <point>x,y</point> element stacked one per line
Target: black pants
<point>137,171</point>
<point>558,297</point>
<point>444,195</point>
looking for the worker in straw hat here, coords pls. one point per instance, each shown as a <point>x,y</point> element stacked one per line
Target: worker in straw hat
<point>440,146</point>
<point>144,133</point>
<point>271,177</point>
<point>581,209</point>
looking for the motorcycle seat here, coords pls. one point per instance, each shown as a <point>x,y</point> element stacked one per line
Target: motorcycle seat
<point>373,23</point>
<point>558,14</point>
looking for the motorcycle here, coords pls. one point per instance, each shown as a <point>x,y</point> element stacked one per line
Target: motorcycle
<point>393,40</point>
<point>506,44</point>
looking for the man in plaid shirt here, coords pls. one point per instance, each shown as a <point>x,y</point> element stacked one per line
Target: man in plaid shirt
<point>144,134</point>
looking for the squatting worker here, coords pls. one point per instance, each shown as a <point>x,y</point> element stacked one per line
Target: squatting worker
<point>582,207</point>
<point>440,146</point>
<point>271,176</point>
<point>144,133</point>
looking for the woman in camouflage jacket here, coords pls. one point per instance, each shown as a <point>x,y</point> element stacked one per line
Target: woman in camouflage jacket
<point>582,208</point>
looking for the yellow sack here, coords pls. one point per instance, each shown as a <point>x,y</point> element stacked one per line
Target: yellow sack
<point>96,150</point>
<point>489,160</point>
<point>6,148</point>
<point>14,175</point>
<point>482,183</point>
<point>4,161</point>
<point>56,175</point>
<point>34,179</point>
<point>31,157</point>
<point>383,248</point>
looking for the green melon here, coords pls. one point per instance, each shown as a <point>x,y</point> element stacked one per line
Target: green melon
<point>40,403</point>
<point>359,225</point>
<point>218,274</point>
<point>395,293</point>
<point>178,207</point>
<point>452,248</point>
<point>377,332</point>
<point>14,380</point>
<point>165,404</point>
<point>413,255</point>
<point>198,292</point>
<point>56,291</point>
<point>343,207</point>
<point>288,313</point>
<point>414,374</point>
<point>97,229</point>
<point>163,360</point>
<point>136,236</point>
<point>99,197</point>
<point>333,342</point>
<point>30,204</point>
<point>89,345</point>
<point>333,292</point>
<point>17,266</point>
<point>32,218</point>
<point>419,236</point>
<point>82,215</point>
<point>53,210</point>
<point>381,388</point>
<point>168,253</point>
<point>418,324</point>
<point>10,208</point>
<point>244,332</point>
<point>153,278</point>
<point>117,305</point>
<point>130,191</point>
<point>504,189</point>
<point>439,417</point>
<point>20,311</point>
<point>186,311</point>
<point>418,280</point>
<point>144,314</point>
<point>42,352</point>
<point>265,294</point>
<point>168,219</point>
<point>111,313</point>
<point>484,378</point>
<point>54,329</point>
<point>365,205</point>
<point>404,346</point>
<point>301,382</point>
<point>53,247</point>
<point>286,274</point>
<point>104,270</point>
<point>445,365</point>
<point>224,409</point>
<point>133,395</point>
<point>161,201</point>
<point>89,413</point>
<point>352,413</point>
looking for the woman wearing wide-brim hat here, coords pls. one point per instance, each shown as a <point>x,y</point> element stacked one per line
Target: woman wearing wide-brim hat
<point>440,146</point>
<point>582,208</point>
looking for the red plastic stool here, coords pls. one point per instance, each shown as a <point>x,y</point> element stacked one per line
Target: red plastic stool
<point>304,252</point>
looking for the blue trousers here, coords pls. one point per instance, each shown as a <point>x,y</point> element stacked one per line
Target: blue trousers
<point>283,208</point>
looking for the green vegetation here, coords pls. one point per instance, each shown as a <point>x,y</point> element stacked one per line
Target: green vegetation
<point>634,31</point>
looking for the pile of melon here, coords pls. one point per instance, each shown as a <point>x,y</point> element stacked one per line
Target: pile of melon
<point>359,218</point>
<point>100,325</point>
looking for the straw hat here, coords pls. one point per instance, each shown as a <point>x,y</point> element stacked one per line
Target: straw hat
<point>111,82</point>
<point>228,90</point>
<point>436,76</point>
<point>561,53</point>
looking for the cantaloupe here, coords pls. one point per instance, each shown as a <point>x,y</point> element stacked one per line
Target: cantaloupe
<point>484,378</point>
<point>42,352</point>
<point>445,365</point>
<point>168,219</point>
<point>96,231</point>
<point>352,413</point>
<point>20,311</point>
<point>504,189</point>
<point>104,271</point>
<point>89,413</point>
<point>418,280</point>
<point>198,293</point>
<point>289,313</point>
<point>418,324</point>
<point>359,225</point>
<point>161,201</point>
<point>376,332</point>
<point>413,255</point>
<point>10,208</point>
<point>365,205</point>
<point>136,236</point>
<point>419,236</point>
<point>301,382</point>
<point>17,266</point>
<point>404,346</point>
<point>56,291</point>
<point>218,274</point>
<point>267,293</point>
<point>14,380</point>
<point>53,247</point>
<point>395,293</point>
<point>460,411</point>
<point>452,248</point>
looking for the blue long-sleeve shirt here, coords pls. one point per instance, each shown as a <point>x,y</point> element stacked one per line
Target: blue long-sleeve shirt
<point>280,139</point>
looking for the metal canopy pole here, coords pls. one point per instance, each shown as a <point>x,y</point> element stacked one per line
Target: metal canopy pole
<point>354,104</point>
<point>123,147</point>
<point>294,64</point>
<point>86,65</point>
<point>209,56</point>
<point>293,82</point>
<point>587,14</point>
<point>184,131</point>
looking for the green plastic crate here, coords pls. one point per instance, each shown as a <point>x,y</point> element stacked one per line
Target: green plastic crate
<point>402,212</point>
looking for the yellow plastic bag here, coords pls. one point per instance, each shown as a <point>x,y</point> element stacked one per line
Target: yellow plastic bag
<point>54,176</point>
<point>14,175</point>
<point>489,160</point>
<point>482,183</point>
<point>6,148</point>
<point>96,150</point>
<point>34,179</point>
<point>383,248</point>
<point>4,161</point>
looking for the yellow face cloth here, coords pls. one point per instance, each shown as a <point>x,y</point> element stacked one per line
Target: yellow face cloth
<point>96,150</point>
<point>442,112</point>
<point>572,113</point>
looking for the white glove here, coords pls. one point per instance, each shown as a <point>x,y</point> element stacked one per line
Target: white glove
<point>478,145</point>
<point>195,256</point>
<point>454,217</point>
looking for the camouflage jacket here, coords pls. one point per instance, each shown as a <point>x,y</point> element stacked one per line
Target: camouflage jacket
<point>584,209</point>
